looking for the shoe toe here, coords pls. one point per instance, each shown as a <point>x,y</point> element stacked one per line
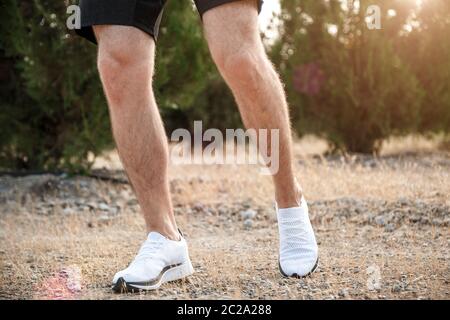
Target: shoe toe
<point>117,276</point>
<point>298,268</point>
<point>128,277</point>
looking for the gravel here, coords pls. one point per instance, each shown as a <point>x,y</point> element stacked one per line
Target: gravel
<point>403,238</point>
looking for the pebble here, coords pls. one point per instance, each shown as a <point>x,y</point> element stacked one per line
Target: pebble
<point>248,224</point>
<point>343,293</point>
<point>104,218</point>
<point>379,220</point>
<point>403,201</point>
<point>390,227</point>
<point>132,202</point>
<point>68,210</point>
<point>84,184</point>
<point>248,214</point>
<point>115,210</point>
<point>104,207</point>
<point>396,288</point>
<point>198,207</point>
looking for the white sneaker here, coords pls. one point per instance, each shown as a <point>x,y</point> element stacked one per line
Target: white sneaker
<point>298,247</point>
<point>159,260</point>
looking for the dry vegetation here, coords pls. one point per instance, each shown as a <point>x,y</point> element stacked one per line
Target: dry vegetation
<point>66,237</point>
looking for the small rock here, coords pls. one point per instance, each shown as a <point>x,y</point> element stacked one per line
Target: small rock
<point>247,204</point>
<point>83,184</point>
<point>396,288</point>
<point>68,211</point>
<point>379,220</point>
<point>198,207</point>
<point>115,210</point>
<point>132,202</point>
<point>424,220</point>
<point>358,209</point>
<point>50,204</point>
<point>248,214</point>
<point>390,227</point>
<point>104,218</point>
<point>248,223</point>
<point>343,293</point>
<point>104,207</point>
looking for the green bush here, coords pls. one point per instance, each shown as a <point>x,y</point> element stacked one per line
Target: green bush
<point>53,113</point>
<point>354,88</point>
<point>359,86</point>
<point>187,84</point>
<point>427,50</point>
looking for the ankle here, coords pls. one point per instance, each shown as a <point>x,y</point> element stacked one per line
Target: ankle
<point>168,230</point>
<point>289,198</point>
<point>285,202</point>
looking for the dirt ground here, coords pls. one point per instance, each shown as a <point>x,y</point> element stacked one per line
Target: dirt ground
<point>382,224</point>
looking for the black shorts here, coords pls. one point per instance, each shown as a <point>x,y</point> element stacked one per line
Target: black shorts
<point>143,14</point>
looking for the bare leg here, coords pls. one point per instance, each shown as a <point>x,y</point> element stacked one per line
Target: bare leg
<point>126,62</point>
<point>235,44</point>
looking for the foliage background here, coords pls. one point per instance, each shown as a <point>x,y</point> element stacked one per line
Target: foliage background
<point>350,85</point>
<point>357,86</point>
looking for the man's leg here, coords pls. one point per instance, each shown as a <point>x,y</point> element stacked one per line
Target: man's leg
<point>233,36</point>
<point>125,62</point>
<point>235,44</point>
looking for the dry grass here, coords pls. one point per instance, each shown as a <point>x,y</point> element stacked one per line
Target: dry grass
<point>38,242</point>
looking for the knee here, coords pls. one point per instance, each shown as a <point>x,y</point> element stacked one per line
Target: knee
<point>243,67</point>
<point>119,65</point>
<point>117,62</point>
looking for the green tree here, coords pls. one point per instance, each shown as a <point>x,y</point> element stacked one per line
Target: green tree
<point>344,81</point>
<point>427,50</point>
<point>53,111</point>
<point>188,85</point>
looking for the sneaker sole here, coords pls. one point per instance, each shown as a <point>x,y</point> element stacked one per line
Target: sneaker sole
<point>296,275</point>
<point>171,273</point>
